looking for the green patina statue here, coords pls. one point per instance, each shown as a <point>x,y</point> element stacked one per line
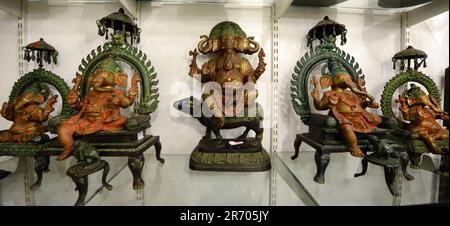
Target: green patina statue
<point>418,131</point>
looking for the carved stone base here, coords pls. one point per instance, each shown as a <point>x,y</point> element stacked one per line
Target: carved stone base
<point>235,158</point>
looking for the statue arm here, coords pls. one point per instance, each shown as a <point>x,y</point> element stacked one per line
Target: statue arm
<point>72,98</point>
<point>6,112</point>
<point>126,101</point>
<point>41,115</point>
<point>319,104</point>
<point>195,70</point>
<point>261,65</point>
<point>403,107</point>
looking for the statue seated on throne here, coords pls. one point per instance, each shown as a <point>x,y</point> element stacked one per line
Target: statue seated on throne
<point>419,109</point>
<point>347,104</point>
<point>348,126</point>
<point>27,115</point>
<point>99,110</point>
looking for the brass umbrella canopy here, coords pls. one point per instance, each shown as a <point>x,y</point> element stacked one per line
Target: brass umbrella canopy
<point>326,28</point>
<point>119,22</point>
<point>40,51</point>
<point>408,55</point>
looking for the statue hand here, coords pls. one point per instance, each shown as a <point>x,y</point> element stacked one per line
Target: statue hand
<point>315,93</point>
<point>444,116</point>
<point>50,102</point>
<point>77,81</point>
<point>193,68</point>
<point>134,85</point>
<point>261,55</point>
<point>4,108</point>
<point>374,104</point>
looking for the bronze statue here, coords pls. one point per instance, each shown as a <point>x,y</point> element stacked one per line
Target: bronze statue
<point>228,68</point>
<point>228,101</point>
<point>347,103</point>
<point>422,110</point>
<point>99,110</point>
<point>27,116</point>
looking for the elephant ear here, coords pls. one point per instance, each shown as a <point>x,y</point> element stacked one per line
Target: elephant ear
<point>325,81</point>
<point>215,45</point>
<point>121,79</point>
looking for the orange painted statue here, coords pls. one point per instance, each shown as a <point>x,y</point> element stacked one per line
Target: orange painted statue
<point>347,104</point>
<point>422,111</point>
<point>100,108</point>
<point>27,116</point>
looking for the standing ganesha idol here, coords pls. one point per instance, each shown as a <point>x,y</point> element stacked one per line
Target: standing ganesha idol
<point>228,102</point>
<point>228,69</point>
<point>100,108</point>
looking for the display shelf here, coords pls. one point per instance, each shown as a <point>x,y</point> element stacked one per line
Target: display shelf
<point>341,188</point>
<point>173,183</point>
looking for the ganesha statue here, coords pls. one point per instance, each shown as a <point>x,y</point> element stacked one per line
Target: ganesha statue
<point>347,103</point>
<point>27,115</point>
<point>99,110</point>
<point>422,111</point>
<point>228,101</point>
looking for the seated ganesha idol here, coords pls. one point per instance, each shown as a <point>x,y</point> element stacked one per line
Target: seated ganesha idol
<point>228,70</point>
<point>100,108</point>
<point>27,115</point>
<point>347,103</point>
<point>422,111</point>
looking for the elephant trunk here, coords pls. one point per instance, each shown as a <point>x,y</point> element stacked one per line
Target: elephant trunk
<point>255,48</point>
<point>205,45</point>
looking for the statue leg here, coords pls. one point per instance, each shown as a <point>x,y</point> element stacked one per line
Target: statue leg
<point>158,148</point>
<point>116,125</point>
<point>136,164</point>
<point>65,133</point>
<point>207,134</point>
<point>392,180</point>
<point>430,142</point>
<point>365,165</point>
<point>297,143</point>
<point>244,134</point>
<point>40,167</point>
<point>82,187</point>
<point>6,136</point>
<point>350,138</point>
<point>322,160</point>
<point>415,158</point>
<point>259,133</point>
<point>105,175</point>
<point>405,161</point>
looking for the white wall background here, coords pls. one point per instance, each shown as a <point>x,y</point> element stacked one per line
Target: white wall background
<point>170,32</point>
<point>431,36</point>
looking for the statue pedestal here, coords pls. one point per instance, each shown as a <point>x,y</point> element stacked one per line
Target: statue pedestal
<point>233,155</point>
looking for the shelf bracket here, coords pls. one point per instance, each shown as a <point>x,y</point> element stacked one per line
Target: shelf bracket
<point>427,11</point>
<point>281,7</point>
<point>130,6</point>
